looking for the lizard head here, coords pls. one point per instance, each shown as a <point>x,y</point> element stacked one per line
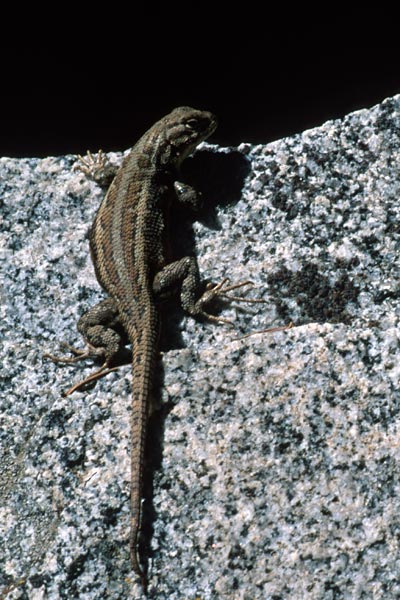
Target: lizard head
<point>185,128</point>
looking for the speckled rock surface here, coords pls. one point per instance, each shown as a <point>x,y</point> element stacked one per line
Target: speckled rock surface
<point>274,460</point>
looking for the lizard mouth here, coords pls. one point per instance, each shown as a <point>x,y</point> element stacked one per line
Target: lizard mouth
<point>209,123</point>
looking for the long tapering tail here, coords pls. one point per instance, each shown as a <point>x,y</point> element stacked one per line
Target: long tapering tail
<point>144,350</point>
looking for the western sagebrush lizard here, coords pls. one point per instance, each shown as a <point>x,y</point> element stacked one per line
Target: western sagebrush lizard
<point>128,244</point>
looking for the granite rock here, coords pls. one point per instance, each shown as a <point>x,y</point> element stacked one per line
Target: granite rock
<point>273,460</point>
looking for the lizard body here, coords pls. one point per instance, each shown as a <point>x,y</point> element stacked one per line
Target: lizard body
<point>128,241</point>
<point>128,245</point>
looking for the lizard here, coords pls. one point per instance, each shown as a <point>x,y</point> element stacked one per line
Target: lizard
<point>129,250</point>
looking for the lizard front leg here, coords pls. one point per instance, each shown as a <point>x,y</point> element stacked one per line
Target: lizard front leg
<point>185,273</point>
<point>188,196</point>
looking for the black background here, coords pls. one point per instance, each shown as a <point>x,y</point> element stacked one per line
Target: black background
<point>103,87</point>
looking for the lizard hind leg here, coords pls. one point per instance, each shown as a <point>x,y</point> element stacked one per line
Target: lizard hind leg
<point>104,337</point>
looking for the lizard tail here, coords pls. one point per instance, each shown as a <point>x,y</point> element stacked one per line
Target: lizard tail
<point>144,350</point>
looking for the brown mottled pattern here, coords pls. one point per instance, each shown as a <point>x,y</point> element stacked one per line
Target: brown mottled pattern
<point>127,245</point>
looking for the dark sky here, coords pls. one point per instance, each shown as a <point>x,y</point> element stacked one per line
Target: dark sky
<point>69,106</point>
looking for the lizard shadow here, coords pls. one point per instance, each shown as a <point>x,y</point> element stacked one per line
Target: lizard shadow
<point>220,179</point>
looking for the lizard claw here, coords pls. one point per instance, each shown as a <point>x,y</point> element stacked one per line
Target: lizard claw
<point>96,167</point>
<point>235,286</point>
<point>221,290</point>
<point>79,354</point>
<point>268,330</point>
<point>87,164</point>
<point>104,370</point>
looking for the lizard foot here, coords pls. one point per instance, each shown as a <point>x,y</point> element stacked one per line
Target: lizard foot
<point>268,330</point>
<point>220,290</point>
<point>97,168</point>
<point>123,357</point>
<point>79,354</point>
<point>104,370</point>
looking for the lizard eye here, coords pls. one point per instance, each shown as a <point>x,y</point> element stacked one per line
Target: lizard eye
<point>193,124</point>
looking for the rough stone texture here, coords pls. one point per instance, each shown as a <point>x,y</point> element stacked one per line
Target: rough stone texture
<point>274,460</point>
